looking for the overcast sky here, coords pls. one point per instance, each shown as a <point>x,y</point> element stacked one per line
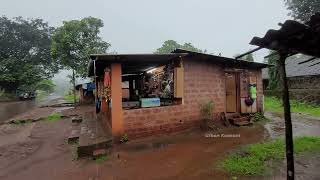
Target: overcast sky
<point>141,26</point>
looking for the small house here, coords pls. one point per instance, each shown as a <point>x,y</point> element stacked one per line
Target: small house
<point>146,94</point>
<point>85,92</point>
<point>303,80</point>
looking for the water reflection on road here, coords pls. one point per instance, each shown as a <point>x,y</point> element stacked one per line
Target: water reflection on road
<point>11,109</point>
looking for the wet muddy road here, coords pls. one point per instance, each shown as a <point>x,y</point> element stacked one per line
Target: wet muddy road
<point>39,151</point>
<point>11,109</point>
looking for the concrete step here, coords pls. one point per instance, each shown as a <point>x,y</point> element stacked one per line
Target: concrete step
<point>76,119</point>
<point>241,121</point>
<point>93,136</point>
<point>73,138</point>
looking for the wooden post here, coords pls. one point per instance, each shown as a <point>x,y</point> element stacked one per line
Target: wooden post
<point>287,115</point>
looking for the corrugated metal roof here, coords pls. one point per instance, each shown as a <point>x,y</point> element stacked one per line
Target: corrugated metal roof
<point>293,68</point>
<point>141,62</point>
<point>293,37</point>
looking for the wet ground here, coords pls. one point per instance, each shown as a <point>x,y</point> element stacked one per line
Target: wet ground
<point>11,109</point>
<point>14,109</point>
<point>39,151</point>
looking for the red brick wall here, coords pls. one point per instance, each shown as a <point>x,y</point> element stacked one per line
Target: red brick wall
<point>202,81</point>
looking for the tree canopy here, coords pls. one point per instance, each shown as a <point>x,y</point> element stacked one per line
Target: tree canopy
<point>302,10</point>
<point>24,52</point>
<point>46,85</point>
<point>75,40</point>
<point>170,45</point>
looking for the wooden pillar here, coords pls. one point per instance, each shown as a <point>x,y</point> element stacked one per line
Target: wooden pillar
<point>287,115</point>
<point>116,100</point>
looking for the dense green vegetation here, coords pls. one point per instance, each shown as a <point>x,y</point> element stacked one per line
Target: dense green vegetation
<point>302,10</point>
<point>258,159</point>
<point>274,104</point>
<point>25,56</point>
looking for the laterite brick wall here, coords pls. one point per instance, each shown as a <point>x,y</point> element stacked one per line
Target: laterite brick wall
<point>202,81</point>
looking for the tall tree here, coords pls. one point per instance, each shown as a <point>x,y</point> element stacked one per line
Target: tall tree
<point>24,53</point>
<point>170,45</point>
<point>74,41</point>
<point>302,10</point>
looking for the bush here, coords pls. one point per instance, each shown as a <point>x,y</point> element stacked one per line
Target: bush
<point>206,109</point>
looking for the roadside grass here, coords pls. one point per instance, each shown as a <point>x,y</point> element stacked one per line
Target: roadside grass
<point>275,105</point>
<point>69,98</point>
<point>101,159</point>
<point>54,117</point>
<point>261,158</point>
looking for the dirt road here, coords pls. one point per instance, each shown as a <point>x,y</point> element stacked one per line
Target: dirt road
<point>39,151</point>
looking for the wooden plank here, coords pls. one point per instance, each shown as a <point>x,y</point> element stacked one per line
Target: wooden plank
<point>231,94</point>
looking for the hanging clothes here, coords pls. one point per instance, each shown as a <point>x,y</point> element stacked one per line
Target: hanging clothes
<point>107,79</point>
<point>253,91</point>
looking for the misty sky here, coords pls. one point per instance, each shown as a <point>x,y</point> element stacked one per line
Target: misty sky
<point>141,26</point>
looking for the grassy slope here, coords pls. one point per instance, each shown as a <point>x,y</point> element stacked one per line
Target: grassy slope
<point>275,105</point>
<point>54,117</point>
<point>70,99</point>
<point>257,159</point>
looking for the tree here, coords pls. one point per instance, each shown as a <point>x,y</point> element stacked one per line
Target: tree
<point>46,85</point>
<point>249,57</point>
<point>74,41</point>
<point>302,10</point>
<point>24,53</point>
<point>170,45</point>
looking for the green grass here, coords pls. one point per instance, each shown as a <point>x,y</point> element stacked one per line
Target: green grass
<point>69,98</point>
<point>258,159</point>
<point>54,117</point>
<point>275,105</point>
<point>101,159</point>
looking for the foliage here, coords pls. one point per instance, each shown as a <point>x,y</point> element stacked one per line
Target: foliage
<point>170,45</point>
<point>46,85</point>
<point>54,117</point>
<point>272,71</point>
<point>274,104</point>
<point>101,159</point>
<point>302,10</point>
<point>69,98</point>
<point>124,138</point>
<point>24,52</point>
<point>257,159</point>
<point>75,41</point>
<point>206,109</point>
<point>259,117</point>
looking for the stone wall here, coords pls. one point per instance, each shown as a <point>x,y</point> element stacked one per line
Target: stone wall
<point>202,81</point>
<point>301,88</point>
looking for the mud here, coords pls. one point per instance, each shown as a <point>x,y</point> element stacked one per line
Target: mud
<point>41,152</point>
<point>303,125</point>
